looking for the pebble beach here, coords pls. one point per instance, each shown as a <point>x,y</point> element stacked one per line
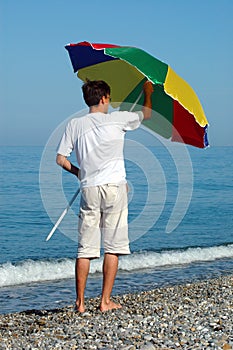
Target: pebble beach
<point>191,316</point>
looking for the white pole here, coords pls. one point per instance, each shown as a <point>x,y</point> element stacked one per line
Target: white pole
<point>62,215</point>
<point>138,98</point>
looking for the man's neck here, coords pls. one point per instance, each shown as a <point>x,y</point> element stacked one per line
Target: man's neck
<point>102,107</point>
<point>97,109</point>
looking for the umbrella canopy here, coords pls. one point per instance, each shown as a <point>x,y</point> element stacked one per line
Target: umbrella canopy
<point>177,111</point>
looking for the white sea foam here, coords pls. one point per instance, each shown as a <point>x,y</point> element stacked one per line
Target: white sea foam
<point>38,271</point>
<point>149,260</point>
<point>35,271</point>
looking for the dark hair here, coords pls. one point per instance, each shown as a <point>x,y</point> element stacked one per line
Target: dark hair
<point>94,90</point>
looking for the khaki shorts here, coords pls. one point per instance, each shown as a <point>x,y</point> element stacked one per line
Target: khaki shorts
<point>103,215</point>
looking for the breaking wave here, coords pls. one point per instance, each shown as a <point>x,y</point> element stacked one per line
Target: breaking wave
<point>30,271</point>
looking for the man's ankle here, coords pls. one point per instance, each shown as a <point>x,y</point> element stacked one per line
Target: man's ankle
<point>80,305</point>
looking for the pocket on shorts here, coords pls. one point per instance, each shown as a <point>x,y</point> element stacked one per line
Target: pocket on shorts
<point>112,193</point>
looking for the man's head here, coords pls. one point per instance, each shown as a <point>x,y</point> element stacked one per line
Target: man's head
<point>94,91</point>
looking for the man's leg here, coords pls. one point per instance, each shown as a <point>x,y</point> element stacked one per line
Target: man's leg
<point>81,274</point>
<point>110,266</point>
<point>88,239</point>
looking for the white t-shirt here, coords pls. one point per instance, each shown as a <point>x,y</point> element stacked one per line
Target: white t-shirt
<point>98,140</point>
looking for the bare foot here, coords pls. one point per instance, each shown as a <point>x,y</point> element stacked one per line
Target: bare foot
<point>80,307</point>
<point>109,306</point>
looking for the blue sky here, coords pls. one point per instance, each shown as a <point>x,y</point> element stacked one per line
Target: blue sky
<point>38,88</point>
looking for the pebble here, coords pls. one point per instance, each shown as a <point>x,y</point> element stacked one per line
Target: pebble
<point>191,316</point>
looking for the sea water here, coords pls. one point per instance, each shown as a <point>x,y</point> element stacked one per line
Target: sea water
<point>180,222</point>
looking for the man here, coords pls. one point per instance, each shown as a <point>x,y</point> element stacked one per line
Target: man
<point>98,140</point>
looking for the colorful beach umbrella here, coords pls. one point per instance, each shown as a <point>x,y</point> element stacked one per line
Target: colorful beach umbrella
<point>177,111</point>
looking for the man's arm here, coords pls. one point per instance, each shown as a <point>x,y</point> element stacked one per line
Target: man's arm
<point>67,165</point>
<point>147,105</point>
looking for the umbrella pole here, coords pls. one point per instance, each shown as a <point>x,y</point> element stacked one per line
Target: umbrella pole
<point>138,98</point>
<point>65,211</point>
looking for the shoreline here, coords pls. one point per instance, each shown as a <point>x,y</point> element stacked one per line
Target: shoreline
<point>194,315</point>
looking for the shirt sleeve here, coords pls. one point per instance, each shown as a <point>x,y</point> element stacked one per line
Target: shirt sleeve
<point>66,144</point>
<point>134,120</point>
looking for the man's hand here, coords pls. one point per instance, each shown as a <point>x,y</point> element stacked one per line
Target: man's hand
<point>148,88</point>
